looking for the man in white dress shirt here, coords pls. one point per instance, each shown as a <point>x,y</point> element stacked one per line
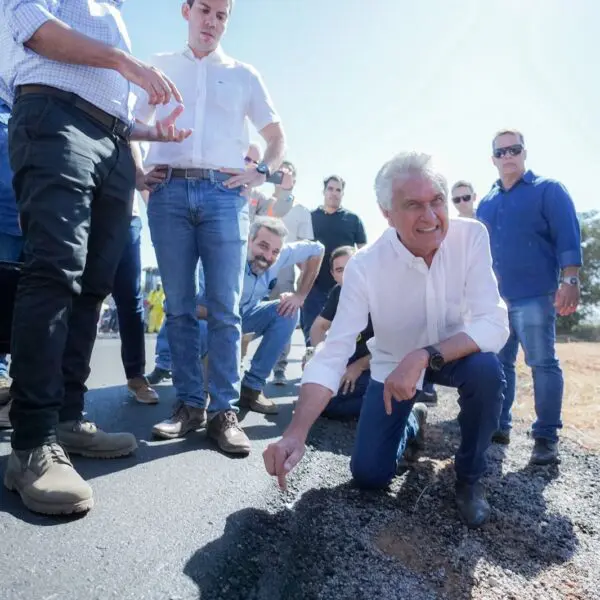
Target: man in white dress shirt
<point>433,298</point>
<point>200,211</point>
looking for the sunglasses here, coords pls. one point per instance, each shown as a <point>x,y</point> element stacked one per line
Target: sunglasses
<point>248,161</point>
<point>513,150</point>
<point>459,199</point>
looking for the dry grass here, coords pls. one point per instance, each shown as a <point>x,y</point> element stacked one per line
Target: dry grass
<point>580,362</point>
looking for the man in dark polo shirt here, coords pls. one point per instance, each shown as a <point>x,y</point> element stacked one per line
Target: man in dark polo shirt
<point>536,249</point>
<point>333,226</point>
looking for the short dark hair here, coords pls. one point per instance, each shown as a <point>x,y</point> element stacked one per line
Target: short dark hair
<point>341,251</point>
<point>290,165</point>
<point>333,178</point>
<point>191,3</point>
<point>508,132</point>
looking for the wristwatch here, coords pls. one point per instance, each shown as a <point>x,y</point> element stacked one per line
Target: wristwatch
<point>436,360</point>
<point>262,168</point>
<point>570,280</point>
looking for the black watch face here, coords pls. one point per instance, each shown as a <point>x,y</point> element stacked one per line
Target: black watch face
<point>436,362</point>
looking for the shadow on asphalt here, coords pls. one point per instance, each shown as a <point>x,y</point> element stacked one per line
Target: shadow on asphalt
<point>298,552</point>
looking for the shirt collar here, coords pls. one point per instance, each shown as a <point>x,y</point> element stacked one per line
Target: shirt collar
<point>528,177</point>
<point>217,56</point>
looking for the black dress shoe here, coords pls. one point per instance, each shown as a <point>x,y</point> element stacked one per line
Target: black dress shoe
<point>545,452</point>
<point>158,375</point>
<point>501,437</point>
<point>473,508</point>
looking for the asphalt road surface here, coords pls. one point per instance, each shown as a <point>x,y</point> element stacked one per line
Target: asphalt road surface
<point>181,521</point>
<point>153,511</point>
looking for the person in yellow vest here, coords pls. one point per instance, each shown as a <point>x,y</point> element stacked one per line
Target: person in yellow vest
<point>156,300</point>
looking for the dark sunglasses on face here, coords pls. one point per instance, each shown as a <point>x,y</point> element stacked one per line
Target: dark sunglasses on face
<point>459,199</point>
<point>513,150</point>
<point>248,160</point>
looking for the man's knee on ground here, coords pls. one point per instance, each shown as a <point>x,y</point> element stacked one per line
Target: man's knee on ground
<point>369,475</point>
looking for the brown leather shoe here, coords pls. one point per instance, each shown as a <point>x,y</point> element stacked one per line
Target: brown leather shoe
<point>85,439</point>
<point>140,389</point>
<point>255,401</point>
<point>224,429</point>
<point>185,418</point>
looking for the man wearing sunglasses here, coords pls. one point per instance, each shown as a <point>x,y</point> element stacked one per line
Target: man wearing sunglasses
<point>463,198</point>
<point>536,249</point>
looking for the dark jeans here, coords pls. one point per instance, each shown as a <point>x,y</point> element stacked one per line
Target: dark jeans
<point>344,406</point>
<point>74,183</point>
<point>480,382</point>
<point>127,292</point>
<point>533,326</point>
<point>313,305</point>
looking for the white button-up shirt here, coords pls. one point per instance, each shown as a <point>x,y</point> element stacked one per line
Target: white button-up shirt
<point>100,20</point>
<point>411,305</point>
<point>220,94</point>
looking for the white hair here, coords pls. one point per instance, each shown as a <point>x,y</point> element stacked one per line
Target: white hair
<point>401,167</point>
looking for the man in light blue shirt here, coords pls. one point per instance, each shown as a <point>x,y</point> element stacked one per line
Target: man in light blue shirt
<point>274,321</point>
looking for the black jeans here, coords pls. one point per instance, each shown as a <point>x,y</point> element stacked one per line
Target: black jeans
<point>74,182</point>
<point>127,292</point>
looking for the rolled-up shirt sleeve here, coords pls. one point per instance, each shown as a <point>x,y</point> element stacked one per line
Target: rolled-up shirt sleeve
<point>299,252</point>
<point>260,106</point>
<point>487,322</point>
<point>564,225</point>
<point>25,17</point>
<point>329,361</point>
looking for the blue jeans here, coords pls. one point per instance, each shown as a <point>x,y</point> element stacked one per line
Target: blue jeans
<point>480,383</point>
<point>127,292</point>
<point>533,326</point>
<point>193,220</point>
<point>163,352</point>
<point>346,406</point>
<point>313,305</point>
<point>11,247</point>
<point>275,331</point>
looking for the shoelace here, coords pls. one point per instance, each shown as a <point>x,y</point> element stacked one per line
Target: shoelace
<point>230,420</point>
<point>55,452</point>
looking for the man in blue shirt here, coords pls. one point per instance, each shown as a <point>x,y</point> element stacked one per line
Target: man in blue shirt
<point>274,321</point>
<point>536,249</point>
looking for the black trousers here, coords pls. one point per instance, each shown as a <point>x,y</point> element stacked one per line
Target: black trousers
<point>74,181</point>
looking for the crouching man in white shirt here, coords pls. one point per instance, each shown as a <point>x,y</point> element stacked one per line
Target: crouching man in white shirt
<point>433,298</point>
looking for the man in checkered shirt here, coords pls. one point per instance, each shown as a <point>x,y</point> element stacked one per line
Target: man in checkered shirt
<point>66,73</point>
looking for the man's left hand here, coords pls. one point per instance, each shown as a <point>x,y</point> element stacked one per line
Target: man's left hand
<point>165,130</point>
<point>289,304</point>
<point>401,383</point>
<point>566,299</point>
<point>250,178</point>
<point>353,372</point>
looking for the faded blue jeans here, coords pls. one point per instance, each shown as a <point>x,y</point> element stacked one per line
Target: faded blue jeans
<point>193,220</point>
<point>275,332</point>
<point>533,326</point>
<point>163,352</point>
<point>380,437</point>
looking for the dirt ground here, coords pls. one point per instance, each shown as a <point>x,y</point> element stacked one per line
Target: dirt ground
<point>581,410</point>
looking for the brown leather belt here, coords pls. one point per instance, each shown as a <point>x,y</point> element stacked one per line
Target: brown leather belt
<point>113,124</point>
<point>209,174</point>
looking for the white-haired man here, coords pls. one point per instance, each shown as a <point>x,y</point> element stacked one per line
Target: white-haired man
<point>418,282</point>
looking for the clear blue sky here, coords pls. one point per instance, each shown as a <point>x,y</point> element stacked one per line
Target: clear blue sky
<point>357,81</point>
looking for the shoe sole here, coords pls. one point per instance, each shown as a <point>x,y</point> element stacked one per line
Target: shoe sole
<point>101,454</point>
<point>133,395</point>
<point>42,508</point>
<point>231,450</point>
<point>173,436</point>
<point>545,463</point>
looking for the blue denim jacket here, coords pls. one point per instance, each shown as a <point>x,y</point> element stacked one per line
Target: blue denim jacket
<point>8,205</point>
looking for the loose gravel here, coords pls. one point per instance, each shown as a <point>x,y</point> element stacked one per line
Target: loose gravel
<point>324,539</point>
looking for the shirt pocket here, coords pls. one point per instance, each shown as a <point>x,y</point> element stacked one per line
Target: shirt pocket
<point>229,96</point>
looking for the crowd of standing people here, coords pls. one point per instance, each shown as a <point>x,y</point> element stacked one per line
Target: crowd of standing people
<point>433,301</point>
